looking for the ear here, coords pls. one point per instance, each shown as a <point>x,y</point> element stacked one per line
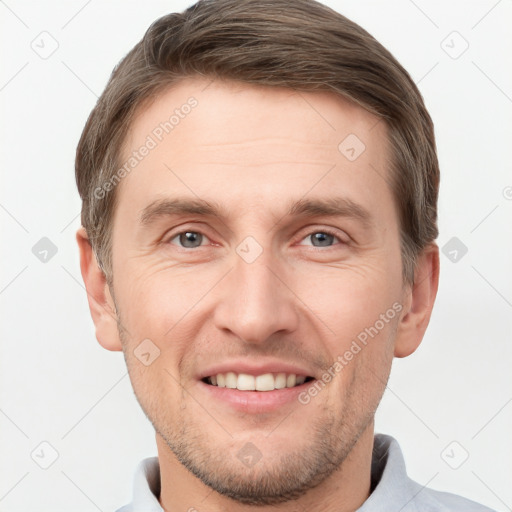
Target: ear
<point>100,300</point>
<point>418,302</point>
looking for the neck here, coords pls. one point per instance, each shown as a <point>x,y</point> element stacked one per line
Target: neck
<point>346,489</point>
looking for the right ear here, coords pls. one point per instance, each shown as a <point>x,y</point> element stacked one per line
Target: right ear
<point>100,300</point>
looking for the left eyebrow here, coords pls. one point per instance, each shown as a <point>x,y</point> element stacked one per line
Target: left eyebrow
<point>332,207</point>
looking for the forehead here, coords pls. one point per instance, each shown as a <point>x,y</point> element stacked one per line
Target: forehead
<point>236,112</point>
<point>253,146</point>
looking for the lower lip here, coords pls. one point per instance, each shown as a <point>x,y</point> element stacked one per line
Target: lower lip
<point>256,402</point>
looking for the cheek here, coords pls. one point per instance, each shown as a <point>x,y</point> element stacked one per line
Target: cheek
<point>361,367</point>
<point>161,300</point>
<point>361,310</point>
<point>350,299</point>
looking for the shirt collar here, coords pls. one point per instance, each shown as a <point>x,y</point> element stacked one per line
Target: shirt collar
<point>390,482</point>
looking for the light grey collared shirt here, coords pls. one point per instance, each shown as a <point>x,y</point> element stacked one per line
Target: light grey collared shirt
<point>393,490</point>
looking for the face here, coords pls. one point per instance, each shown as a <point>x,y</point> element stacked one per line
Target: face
<point>258,281</point>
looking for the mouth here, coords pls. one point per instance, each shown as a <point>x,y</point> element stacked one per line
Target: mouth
<point>263,382</point>
<point>256,387</point>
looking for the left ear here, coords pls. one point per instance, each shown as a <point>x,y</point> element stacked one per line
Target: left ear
<point>418,302</point>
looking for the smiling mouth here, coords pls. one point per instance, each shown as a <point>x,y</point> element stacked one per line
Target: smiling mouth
<point>264,382</point>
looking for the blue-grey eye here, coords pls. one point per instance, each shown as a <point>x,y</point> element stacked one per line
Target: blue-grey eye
<point>189,239</point>
<point>321,239</point>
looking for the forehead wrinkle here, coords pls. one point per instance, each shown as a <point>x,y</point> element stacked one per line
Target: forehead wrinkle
<point>266,141</point>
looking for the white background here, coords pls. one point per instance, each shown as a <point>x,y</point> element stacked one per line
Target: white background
<point>58,385</point>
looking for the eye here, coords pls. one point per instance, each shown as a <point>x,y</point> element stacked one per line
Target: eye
<point>324,238</point>
<point>189,239</point>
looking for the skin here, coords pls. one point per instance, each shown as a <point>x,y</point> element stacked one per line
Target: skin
<point>253,151</point>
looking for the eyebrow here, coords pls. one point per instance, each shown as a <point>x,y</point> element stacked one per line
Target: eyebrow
<point>332,207</point>
<point>329,207</point>
<point>179,206</point>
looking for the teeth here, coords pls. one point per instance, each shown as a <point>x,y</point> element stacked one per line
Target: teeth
<point>245,382</point>
<point>264,382</point>
<point>231,380</point>
<point>280,381</point>
<point>300,380</point>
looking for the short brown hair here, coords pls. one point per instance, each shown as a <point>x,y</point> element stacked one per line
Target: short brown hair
<point>300,44</point>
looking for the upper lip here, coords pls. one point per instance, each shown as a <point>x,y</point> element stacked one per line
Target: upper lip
<point>255,368</point>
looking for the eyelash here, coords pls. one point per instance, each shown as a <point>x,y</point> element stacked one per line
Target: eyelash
<point>326,231</point>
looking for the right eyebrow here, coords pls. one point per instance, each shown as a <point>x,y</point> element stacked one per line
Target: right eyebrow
<point>178,206</point>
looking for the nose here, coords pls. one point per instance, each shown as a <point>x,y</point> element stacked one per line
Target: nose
<point>256,301</point>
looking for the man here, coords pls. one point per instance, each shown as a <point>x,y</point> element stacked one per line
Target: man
<point>259,183</point>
